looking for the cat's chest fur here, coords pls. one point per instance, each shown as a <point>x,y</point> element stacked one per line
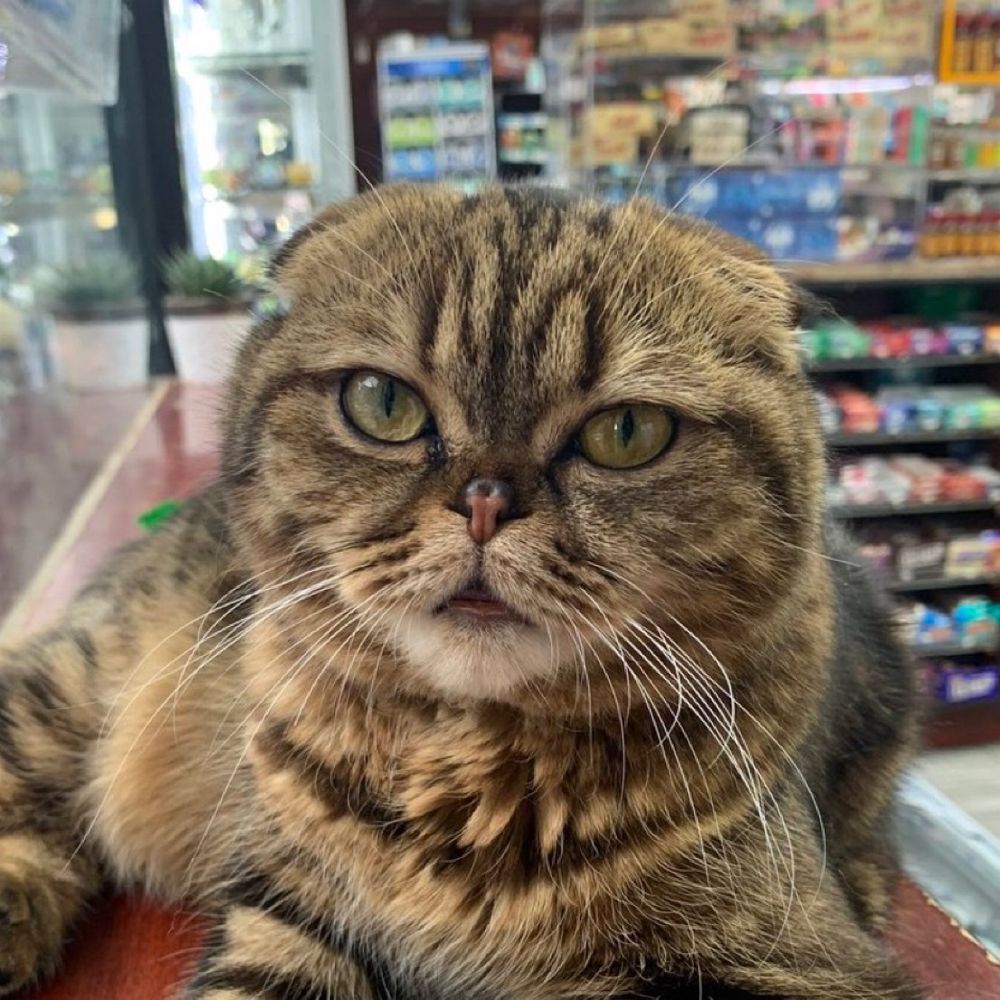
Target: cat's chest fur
<point>456,835</point>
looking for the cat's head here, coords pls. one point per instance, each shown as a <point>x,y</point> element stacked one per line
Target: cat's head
<point>524,446</point>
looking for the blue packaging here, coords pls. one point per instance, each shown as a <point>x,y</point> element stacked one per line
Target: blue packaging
<point>964,339</point>
<point>955,685</point>
<point>929,415</point>
<point>898,416</point>
<point>760,193</point>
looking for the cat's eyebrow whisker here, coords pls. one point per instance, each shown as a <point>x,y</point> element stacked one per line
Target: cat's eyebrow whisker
<point>718,68</point>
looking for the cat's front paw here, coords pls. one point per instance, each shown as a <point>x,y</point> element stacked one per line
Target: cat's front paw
<point>28,939</point>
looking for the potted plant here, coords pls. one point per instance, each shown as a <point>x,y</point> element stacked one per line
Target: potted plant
<point>101,334</point>
<point>207,315</point>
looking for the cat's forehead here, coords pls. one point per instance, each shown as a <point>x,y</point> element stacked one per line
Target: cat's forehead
<point>514,301</point>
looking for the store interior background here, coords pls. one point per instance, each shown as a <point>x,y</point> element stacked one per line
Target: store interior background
<point>855,141</point>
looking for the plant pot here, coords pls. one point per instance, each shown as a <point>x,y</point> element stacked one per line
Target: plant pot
<point>101,352</point>
<point>204,344</point>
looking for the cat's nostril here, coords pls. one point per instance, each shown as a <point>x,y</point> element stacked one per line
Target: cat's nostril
<point>486,502</point>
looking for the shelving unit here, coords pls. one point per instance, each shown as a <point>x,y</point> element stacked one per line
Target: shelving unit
<point>882,439</point>
<point>816,133</point>
<point>939,583</point>
<point>916,270</point>
<point>843,365</point>
<point>436,114</point>
<point>937,650</point>
<point>858,512</point>
<point>949,717</point>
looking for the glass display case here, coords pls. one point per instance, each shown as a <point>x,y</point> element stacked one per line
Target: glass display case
<point>800,126</point>
<point>56,208</point>
<point>262,118</point>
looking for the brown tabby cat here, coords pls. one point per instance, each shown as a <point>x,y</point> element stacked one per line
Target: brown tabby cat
<point>508,658</point>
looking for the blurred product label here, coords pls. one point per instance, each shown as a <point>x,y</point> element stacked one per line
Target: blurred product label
<point>61,46</point>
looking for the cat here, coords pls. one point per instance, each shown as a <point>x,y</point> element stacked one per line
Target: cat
<point>510,656</point>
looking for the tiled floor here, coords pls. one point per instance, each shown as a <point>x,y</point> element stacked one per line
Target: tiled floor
<point>970,777</point>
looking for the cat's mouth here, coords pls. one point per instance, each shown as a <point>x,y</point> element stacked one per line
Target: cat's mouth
<point>476,603</point>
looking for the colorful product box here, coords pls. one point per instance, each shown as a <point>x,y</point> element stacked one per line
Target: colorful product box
<point>757,193</point>
<point>954,684</point>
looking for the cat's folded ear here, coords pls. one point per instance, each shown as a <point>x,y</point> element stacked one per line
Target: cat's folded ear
<point>332,215</point>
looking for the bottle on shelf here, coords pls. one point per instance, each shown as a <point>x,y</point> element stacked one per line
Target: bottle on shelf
<point>962,60</point>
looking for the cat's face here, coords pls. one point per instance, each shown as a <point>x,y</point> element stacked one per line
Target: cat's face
<point>519,441</point>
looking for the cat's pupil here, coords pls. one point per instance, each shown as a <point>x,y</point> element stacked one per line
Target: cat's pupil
<point>627,428</point>
<point>389,397</point>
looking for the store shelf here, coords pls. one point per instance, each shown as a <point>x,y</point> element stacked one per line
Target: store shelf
<point>880,439</point>
<point>928,651</point>
<point>971,175</point>
<point>917,270</point>
<point>238,62</point>
<point>940,583</point>
<point>255,194</point>
<point>882,364</point>
<point>539,156</point>
<point>42,206</point>
<point>859,511</point>
<point>522,120</point>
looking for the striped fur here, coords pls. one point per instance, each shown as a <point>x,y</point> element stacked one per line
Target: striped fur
<point>673,785</point>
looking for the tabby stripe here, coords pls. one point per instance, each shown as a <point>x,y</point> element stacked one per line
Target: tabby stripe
<point>537,339</point>
<point>400,555</point>
<point>598,223</point>
<point>592,345</point>
<point>503,299</point>
<point>465,281</point>
<point>85,643</point>
<point>259,891</point>
<point>390,534</point>
<point>430,321</point>
<point>336,790</point>
<point>769,465</point>
<point>288,248</point>
<point>245,453</point>
<point>260,984</point>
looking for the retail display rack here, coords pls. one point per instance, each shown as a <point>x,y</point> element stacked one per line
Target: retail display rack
<point>436,113</point>
<point>858,144</point>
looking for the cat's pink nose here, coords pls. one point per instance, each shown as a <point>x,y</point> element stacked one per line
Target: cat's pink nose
<point>486,502</point>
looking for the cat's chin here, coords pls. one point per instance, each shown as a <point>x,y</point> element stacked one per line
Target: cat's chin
<point>479,657</point>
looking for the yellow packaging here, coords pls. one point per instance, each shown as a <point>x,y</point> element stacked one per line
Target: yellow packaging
<point>631,118</point>
<point>662,35</point>
<point>904,38</point>
<point>710,38</point>
<point>620,35</point>
<point>605,150</point>
<point>716,11</point>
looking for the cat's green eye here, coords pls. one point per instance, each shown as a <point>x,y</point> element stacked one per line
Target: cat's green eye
<point>626,436</point>
<point>383,407</point>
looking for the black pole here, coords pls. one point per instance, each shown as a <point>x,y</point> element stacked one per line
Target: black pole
<point>145,159</point>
